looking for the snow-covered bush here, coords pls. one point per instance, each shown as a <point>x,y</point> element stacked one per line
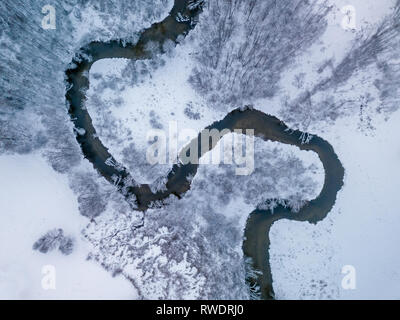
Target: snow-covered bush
<point>54,239</point>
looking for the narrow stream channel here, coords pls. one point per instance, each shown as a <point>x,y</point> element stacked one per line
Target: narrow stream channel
<point>256,236</point>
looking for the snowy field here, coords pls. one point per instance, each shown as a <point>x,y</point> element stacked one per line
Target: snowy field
<point>27,212</point>
<point>361,230</point>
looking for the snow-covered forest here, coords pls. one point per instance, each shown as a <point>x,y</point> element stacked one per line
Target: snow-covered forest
<point>191,248</point>
<point>243,47</point>
<point>29,53</point>
<point>242,50</point>
<point>240,53</point>
<point>372,62</point>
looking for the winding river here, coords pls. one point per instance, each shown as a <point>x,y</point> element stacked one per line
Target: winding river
<point>256,235</point>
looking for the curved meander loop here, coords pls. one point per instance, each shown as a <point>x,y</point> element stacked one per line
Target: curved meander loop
<point>256,240</point>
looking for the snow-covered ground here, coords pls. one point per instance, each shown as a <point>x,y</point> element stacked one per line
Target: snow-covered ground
<point>361,230</point>
<point>124,111</point>
<point>34,199</point>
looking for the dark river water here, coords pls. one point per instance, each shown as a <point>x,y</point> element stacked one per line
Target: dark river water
<point>256,234</point>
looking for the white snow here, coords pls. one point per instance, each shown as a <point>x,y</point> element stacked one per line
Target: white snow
<point>35,199</point>
<point>361,230</point>
<point>166,92</point>
<point>334,44</point>
<point>101,23</point>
